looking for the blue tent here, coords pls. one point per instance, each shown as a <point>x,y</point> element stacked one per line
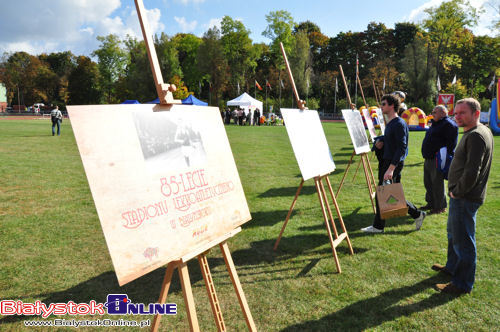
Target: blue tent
<point>128,101</point>
<point>190,100</point>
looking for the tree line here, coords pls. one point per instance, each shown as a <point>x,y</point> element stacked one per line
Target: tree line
<point>225,62</point>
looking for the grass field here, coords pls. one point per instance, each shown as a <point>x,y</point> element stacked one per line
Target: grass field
<point>53,249</point>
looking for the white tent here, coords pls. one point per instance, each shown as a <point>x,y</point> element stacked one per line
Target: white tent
<point>246,101</point>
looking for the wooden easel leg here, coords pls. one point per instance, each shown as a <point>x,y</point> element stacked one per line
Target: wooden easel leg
<point>364,159</point>
<point>341,221</point>
<point>212,295</point>
<point>164,292</point>
<point>345,174</point>
<point>237,286</point>
<point>188,297</point>
<point>318,190</point>
<point>325,199</point>
<point>289,214</point>
<point>356,173</point>
<point>371,175</point>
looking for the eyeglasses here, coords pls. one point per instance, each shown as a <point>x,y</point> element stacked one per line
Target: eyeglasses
<point>384,103</point>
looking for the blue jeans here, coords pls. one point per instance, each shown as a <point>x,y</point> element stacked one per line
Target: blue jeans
<point>462,242</point>
<point>58,123</point>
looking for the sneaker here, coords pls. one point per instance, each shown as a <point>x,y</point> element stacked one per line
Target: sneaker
<point>371,229</point>
<point>419,220</point>
<point>440,268</point>
<point>437,211</point>
<point>450,288</point>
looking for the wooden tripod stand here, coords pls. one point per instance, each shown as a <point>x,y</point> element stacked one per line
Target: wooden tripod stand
<point>370,179</point>
<point>181,266</point>
<point>327,214</point>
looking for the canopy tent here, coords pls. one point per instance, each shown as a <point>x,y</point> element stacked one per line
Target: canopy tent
<point>245,100</point>
<point>131,101</point>
<point>190,100</point>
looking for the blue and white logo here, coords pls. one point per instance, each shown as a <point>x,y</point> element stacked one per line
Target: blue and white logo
<point>120,304</point>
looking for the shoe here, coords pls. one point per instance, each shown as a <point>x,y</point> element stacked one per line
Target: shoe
<point>441,268</point>
<point>437,211</point>
<point>419,220</point>
<point>450,288</point>
<point>371,229</point>
<point>425,207</point>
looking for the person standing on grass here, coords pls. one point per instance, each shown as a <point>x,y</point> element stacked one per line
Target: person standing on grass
<point>395,145</point>
<point>467,180</point>
<point>56,117</point>
<point>442,134</point>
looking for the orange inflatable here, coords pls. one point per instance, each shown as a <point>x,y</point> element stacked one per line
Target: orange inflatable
<point>415,117</point>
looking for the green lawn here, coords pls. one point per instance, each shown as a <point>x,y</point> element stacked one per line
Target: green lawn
<point>53,249</point>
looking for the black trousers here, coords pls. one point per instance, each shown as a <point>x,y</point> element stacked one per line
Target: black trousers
<point>396,178</point>
<point>434,185</point>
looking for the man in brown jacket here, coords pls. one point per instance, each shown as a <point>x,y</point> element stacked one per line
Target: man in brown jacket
<point>467,180</point>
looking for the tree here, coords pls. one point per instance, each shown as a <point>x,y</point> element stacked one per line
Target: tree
<point>62,64</point>
<point>83,83</point>
<point>168,58</point>
<point>300,63</point>
<point>187,51</point>
<point>279,30</point>
<point>445,24</point>
<point>112,62</point>
<point>212,63</point>
<point>238,50</point>
<point>418,67</point>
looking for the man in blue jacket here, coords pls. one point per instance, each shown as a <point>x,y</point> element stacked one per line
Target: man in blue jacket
<point>395,144</point>
<point>442,134</point>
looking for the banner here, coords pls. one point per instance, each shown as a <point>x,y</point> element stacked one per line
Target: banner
<point>447,100</point>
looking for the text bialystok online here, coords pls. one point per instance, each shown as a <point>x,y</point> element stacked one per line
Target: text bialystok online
<point>116,304</point>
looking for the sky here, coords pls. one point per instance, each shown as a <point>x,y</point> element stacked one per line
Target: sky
<point>36,26</point>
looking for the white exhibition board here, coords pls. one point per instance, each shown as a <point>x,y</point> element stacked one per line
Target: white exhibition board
<point>381,121</point>
<point>163,182</point>
<point>308,142</point>
<point>369,124</point>
<point>356,131</point>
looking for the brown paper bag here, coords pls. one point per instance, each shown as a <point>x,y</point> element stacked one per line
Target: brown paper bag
<point>391,201</point>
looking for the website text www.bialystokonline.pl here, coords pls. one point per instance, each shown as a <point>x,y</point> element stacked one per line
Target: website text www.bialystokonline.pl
<point>87,323</point>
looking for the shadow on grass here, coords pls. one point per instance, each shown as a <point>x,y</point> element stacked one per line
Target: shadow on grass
<point>372,312</point>
<point>288,191</point>
<point>268,218</point>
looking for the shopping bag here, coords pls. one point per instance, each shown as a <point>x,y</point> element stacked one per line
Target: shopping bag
<point>391,200</point>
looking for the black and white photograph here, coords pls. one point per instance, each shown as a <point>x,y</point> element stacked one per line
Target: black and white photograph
<point>168,142</point>
<point>356,131</point>
<point>381,121</point>
<point>369,124</point>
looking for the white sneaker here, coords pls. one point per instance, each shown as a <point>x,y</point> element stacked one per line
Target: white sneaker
<point>371,229</point>
<point>419,220</point>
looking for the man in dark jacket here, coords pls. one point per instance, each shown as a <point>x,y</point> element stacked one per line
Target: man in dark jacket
<point>442,134</point>
<point>395,146</point>
<point>467,180</point>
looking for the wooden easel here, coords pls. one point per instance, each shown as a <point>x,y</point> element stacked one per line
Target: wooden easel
<point>166,98</point>
<point>181,265</point>
<point>365,160</point>
<point>320,189</point>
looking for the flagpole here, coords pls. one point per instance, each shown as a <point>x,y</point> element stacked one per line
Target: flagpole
<point>266,97</point>
<point>280,91</point>
<point>335,98</point>
<point>355,85</point>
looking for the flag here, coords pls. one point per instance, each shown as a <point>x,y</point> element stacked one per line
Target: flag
<point>307,84</point>
<point>268,85</point>
<point>210,86</point>
<point>438,84</point>
<point>199,87</point>
<point>336,85</point>
<point>282,85</point>
<point>383,86</point>
<point>492,84</point>
<point>454,80</point>
<point>258,85</point>
<point>238,88</point>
